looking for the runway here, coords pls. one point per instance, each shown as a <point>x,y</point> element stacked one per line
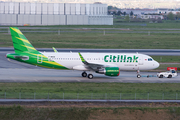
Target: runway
<point>50,75</point>
<point>13,71</point>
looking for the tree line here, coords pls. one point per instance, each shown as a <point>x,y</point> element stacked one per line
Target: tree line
<point>171,16</point>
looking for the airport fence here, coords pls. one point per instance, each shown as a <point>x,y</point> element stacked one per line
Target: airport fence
<point>91,96</point>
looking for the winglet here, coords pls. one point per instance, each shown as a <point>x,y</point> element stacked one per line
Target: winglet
<point>55,50</point>
<point>82,59</point>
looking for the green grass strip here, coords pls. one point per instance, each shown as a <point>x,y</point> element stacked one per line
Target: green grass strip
<point>90,87</point>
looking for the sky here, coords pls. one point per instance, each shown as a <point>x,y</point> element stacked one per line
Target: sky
<point>152,4</point>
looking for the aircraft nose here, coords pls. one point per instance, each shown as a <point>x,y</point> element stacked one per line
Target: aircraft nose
<point>156,64</point>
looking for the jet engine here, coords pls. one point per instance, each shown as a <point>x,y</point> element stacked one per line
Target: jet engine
<point>109,71</point>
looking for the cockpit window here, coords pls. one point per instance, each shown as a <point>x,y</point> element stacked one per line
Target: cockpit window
<point>150,59</point>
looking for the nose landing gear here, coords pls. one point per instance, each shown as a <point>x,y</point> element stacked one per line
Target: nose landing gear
<point>138,74</point>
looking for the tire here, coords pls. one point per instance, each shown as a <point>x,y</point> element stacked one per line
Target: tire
<point>169,76</point>
<point>161,76</point>
<point>90,76</point>
<point>84,74</point>
<point>138,76</point>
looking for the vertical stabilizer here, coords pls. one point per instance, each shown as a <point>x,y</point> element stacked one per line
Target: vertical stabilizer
<point>20,42</point>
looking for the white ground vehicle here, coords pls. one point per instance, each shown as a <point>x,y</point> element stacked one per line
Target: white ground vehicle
<point>169,74</point>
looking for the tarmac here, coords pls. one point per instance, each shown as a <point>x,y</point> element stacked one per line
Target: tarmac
<point>51,75</point>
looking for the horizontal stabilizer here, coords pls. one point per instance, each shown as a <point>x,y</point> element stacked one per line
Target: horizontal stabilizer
<point>16,56</point>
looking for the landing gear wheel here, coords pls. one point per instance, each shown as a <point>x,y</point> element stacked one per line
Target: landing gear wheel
<point>84,74</point>
<point>169,76</point>
<point>161,76</point>
<point>90,76</point>
<point>138,76</point>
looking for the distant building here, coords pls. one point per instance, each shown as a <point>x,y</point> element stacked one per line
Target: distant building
<point>149,11</point>
<point>163,11</point>
<point>140,11</point>
<point>152,17</point>
<point>20,13</point>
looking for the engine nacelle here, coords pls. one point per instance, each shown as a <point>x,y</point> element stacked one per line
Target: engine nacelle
<point>110,71</point>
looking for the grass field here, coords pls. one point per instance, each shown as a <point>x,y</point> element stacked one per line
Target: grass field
<point>98,40</point>
<point>168,59</point>
<point>171,24</point>
<point>90,87</point>
<point>93,39</point>
<point>114,91</point>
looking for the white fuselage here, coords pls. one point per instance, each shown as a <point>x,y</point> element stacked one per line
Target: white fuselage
<point>125,61</point>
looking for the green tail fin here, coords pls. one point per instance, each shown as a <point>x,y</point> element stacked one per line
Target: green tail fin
<point>20,42</point>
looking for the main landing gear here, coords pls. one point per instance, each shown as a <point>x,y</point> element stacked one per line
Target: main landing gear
<point>90,76</point>
<point>84,74</point>
<point>138,74</point>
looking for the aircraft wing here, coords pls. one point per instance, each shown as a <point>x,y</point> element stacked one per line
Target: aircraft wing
<point>95,66</point>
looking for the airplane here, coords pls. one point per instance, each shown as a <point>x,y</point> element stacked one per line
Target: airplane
<point>108,64</point>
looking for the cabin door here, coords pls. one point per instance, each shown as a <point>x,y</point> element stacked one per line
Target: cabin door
<point>140,61</point>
